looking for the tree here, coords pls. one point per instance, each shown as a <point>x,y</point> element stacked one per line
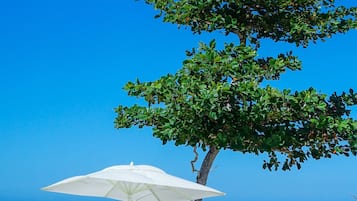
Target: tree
<point>217,101</point>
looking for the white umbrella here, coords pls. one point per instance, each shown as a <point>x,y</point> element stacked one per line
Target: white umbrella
<point>134,183</point>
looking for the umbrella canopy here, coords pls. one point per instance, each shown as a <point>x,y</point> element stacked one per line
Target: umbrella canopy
<point>133,183</point>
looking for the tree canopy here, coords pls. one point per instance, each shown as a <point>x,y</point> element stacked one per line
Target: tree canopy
<point>293,21</point>
<point>218,99</point>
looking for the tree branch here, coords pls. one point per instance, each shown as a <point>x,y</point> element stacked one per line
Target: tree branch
<point>242,38</point>
<point>194,160</point>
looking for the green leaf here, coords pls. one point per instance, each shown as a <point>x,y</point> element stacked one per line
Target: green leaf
<point>213,115</point>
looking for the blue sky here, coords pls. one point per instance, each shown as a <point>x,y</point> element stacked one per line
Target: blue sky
<point>62,68</point>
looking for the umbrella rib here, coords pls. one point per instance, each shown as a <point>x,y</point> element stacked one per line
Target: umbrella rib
<point>111,189</point>
<point>169,188</point>
<point>129,192</point>
<point>152,191</point>
<point>178,192</point>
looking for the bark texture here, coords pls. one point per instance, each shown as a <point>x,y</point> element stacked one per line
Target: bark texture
<point>207,162</point>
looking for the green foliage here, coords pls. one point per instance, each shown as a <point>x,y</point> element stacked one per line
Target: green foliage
<point>293,21</point>
<point>217,97</point>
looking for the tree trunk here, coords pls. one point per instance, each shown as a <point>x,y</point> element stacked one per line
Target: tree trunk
<point>202,175</point>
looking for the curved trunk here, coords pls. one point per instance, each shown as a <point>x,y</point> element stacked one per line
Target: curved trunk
<point>202,175</point>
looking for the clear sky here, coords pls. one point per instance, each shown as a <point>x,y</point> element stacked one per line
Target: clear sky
<point>62,68</point>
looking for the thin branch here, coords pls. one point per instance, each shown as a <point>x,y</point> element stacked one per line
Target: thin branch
<point>242,38</point>
<point>194,160</point>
